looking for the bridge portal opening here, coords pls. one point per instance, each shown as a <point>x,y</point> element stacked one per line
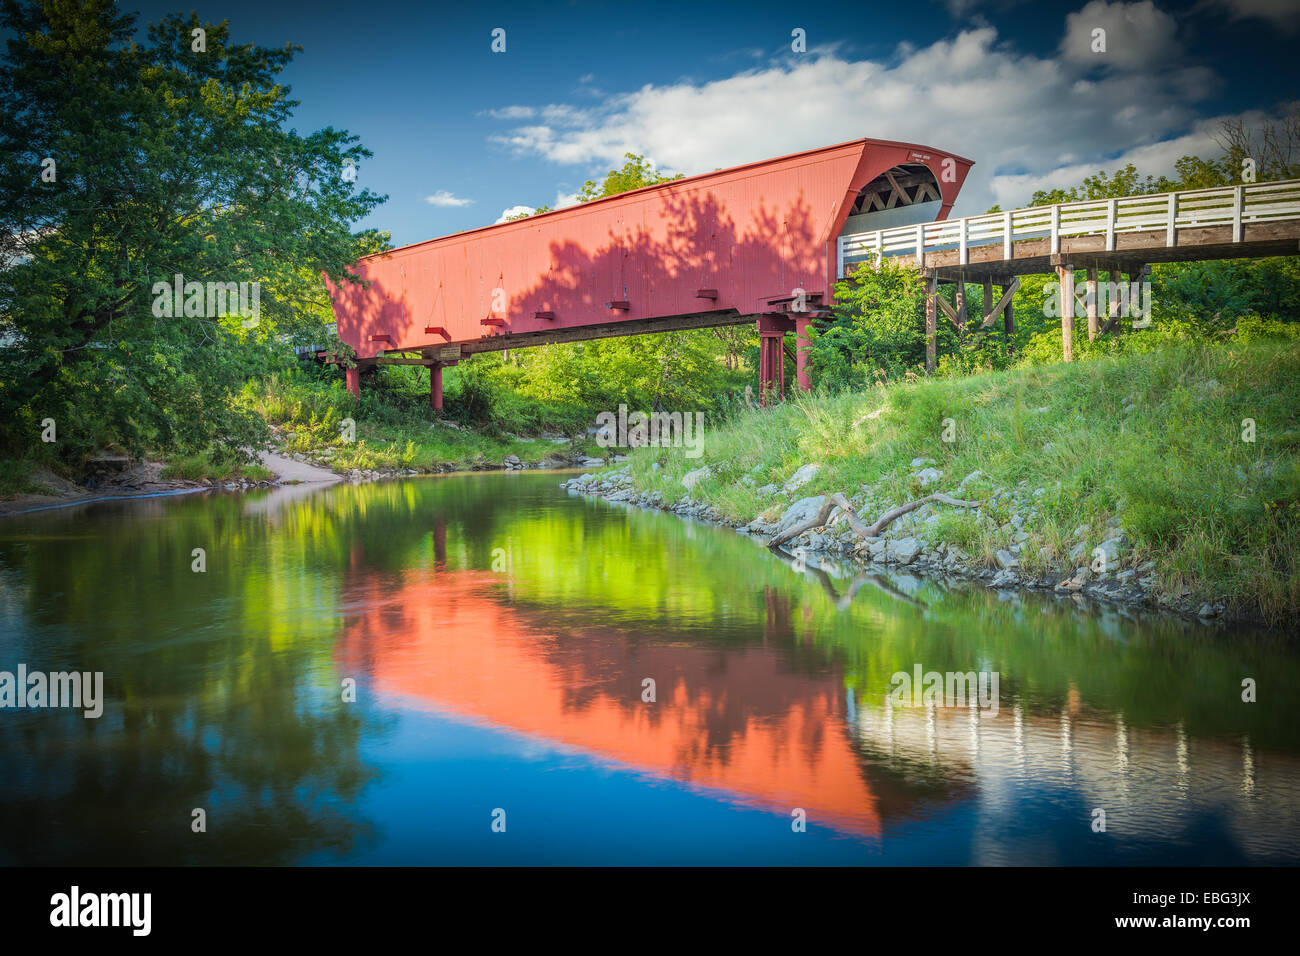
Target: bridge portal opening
<point>903,195</point>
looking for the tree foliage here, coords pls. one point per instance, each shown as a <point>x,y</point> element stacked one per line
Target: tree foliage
<point>636,173</point>
<point>125,164</point>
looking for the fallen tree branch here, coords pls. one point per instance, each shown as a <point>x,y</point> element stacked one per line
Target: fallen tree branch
<point>837,500</point>
<point>834,501</point>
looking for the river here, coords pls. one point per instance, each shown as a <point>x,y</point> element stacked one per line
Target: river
<point>486,669</point>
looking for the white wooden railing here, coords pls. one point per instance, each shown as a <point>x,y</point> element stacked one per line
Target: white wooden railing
<point>1168,212</point>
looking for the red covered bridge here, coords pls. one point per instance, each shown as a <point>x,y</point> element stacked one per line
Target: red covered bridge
<point>757,243</point>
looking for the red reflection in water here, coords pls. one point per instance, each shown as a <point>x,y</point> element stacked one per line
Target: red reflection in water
<point>738,720</point>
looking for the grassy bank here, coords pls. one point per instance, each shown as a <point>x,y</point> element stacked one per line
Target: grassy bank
<point>393,428</point>
<point>1152,444</point>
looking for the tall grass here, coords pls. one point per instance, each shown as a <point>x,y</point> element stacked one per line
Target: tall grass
<point>394,429</point>
<point>1154,440</point>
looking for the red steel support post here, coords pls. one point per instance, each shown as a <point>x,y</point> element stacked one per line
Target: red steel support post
<point>435,386</point>
<point>801,346</point>
<point>353,377</point>
<point>771,356</point>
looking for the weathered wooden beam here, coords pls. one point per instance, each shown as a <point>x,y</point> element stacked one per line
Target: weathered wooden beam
<point>1112,305</point>
<point>906,199</point>
<point>932,297</point>
<point>621,305</point>
<point>1065,275</point>
<point>1091,304</point>
<point>1008,292</point>
<point>1009,321</point>
<point>947,310</point>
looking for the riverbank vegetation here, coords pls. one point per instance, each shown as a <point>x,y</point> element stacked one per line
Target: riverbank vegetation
<point>91,367</point>
<point>1193,450</point>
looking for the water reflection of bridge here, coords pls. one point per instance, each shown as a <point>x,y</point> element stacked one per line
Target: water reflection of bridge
<point>767,722</point>
<point>1151,781</point>
<point>739,721</point>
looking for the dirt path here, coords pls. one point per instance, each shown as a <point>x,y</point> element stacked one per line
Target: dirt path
<point>289,470</point>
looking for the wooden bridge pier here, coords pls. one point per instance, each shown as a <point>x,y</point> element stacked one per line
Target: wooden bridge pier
<point>990,309</point>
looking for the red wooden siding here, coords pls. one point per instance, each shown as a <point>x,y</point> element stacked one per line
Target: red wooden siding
<point>752,233</point>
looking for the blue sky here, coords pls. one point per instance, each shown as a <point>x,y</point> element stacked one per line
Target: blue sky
<point>1013,85</point>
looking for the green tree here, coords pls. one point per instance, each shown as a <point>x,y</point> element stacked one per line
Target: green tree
<point>124,164</point>
<point>877,328</point>
<point>636,173</point>
<point>524,215</point>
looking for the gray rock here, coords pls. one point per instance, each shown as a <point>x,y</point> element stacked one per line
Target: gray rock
<point>905,550</point>
<point>929,476</point>
<point>969,478</point>
<point>1111,549</point>
<point>1004,578</point>
<point>805,474</point>
<point>692,478</point>
<point>799,512</point>
<point>1006,559</point>
<point>769,490</point>
<point>922,462</point>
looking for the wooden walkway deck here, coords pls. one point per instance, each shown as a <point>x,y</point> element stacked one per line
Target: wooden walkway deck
<point>1124,235</point>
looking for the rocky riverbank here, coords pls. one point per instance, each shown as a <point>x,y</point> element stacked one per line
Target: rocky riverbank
<point>1100,564</point>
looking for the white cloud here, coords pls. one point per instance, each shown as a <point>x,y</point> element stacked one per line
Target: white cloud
<point>444,198</point>
<point>1137,35</point>
<point>513,211</point>
<point>1280,13</point>
<point>1015,114</point>
<point>513,113</point>
<point>1152,159</point>
<point>562,199</point>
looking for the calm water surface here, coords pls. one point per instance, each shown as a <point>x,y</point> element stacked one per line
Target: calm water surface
<point>499,632</point>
